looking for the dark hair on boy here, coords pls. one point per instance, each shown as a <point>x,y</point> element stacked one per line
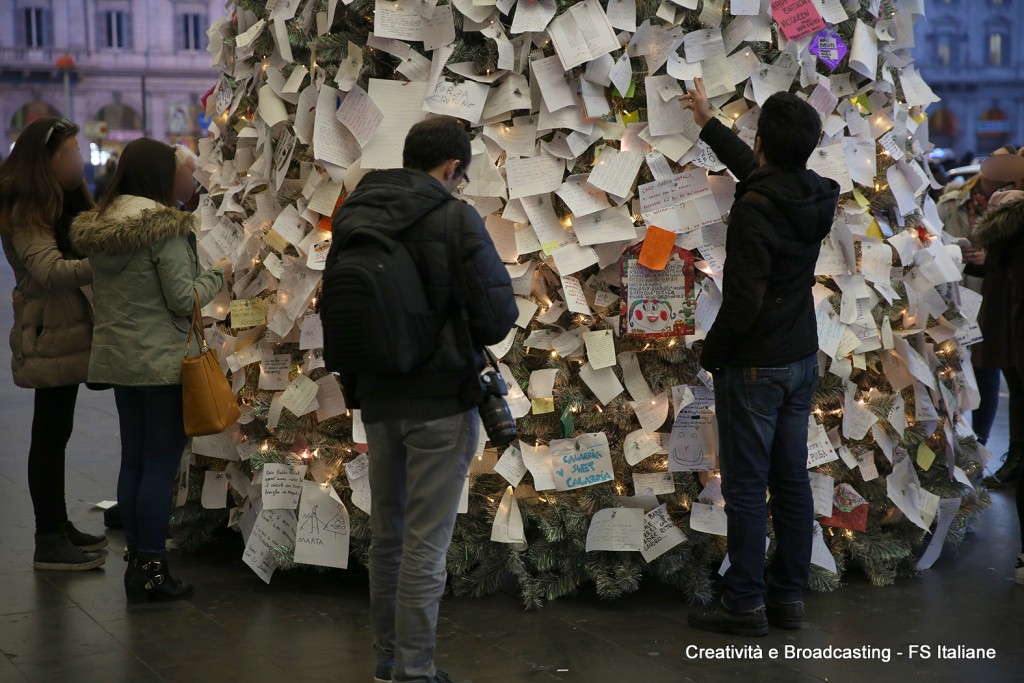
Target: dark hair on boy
<point>435,140</point>
<point>789,129</point>
<point>146,169</point>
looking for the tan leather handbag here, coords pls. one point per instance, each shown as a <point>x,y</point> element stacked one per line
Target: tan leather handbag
<point>209,405</point>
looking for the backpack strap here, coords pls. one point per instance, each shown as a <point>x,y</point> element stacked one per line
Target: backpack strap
<point>460,290</point>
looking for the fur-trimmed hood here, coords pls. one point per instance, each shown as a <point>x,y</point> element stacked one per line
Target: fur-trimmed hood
<point>129,224</point>
<point>1001,223</point>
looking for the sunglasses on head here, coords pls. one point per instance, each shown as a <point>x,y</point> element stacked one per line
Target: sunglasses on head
<point>62,126</point>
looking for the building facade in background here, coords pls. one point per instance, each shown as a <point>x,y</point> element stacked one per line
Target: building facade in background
<point>971,53</point>
<point>135,67</point>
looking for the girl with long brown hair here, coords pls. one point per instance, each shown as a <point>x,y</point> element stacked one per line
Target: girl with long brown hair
<point>147,279</point>
<point>42,189</point>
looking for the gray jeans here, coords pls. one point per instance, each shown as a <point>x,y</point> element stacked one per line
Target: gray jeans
<point>417,471</point>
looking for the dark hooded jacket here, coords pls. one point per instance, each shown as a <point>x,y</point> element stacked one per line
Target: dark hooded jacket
<point>415,208</point>
<point>1001,233</point>
<point>776,226</point>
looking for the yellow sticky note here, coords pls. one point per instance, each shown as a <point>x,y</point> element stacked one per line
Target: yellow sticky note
<point>862,102</point>
<point>874,230</point>
<point>248,313</point>
<point>925,456</point>
<point>543,405</point>
<point>549,246</point>
<point>861,200</point>
<point>631,116</point>
<point>276,242</point>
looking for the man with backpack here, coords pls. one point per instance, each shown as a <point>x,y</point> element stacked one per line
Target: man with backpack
<point>762,349</point>
<point>413,289</point>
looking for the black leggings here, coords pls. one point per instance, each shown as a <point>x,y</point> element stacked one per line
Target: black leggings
<point>1015,383</point>
<point>52,421</point>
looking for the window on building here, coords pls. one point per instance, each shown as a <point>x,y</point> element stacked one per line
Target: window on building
<point>192,31</point>
<point>998,43</point>
<point>114,31</point>
<point>35,27</point>
<point>945,49</point>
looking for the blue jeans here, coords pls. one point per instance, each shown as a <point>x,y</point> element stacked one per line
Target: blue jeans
<point>152,441</point>
<point>984,416</point>
<point>417,472</point>
<point>762,425</point>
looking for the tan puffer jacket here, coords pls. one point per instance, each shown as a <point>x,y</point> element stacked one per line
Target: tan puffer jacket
<point>52,333</point>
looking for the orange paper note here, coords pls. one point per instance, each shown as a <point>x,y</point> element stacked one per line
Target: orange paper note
<point>657,248</point>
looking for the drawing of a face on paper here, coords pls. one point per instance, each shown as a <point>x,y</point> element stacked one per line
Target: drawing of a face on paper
<point>693,446</point>
<point>657,303</point>
<point>651,316</point>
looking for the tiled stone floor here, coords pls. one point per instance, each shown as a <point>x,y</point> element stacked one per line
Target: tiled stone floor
<point>307,627</point>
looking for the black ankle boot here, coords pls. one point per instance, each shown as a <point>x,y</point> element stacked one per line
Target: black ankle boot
<point>1007,474</point>
<point>149,578</point>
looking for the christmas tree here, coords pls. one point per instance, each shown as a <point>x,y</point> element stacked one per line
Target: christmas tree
<point>610,215</point>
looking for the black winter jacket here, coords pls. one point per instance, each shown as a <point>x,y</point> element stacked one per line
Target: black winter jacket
<point>417,207</point>
<point>776,226</point>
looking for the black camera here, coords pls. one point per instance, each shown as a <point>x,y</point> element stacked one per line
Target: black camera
<point>494,413</point>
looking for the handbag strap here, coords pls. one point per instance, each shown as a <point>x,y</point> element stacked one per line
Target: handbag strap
<point>196,326</point>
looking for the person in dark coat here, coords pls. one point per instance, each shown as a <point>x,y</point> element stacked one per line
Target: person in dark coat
<point>422,427</point>
<point>762,350</point>
<point>1001,233</point>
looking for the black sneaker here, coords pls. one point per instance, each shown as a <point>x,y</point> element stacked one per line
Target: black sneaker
<point>80,539</point>
<point>385,673</point>
<point>720,619</point>
<point>442,677</point>
<point>1007,474</point>
<point>54,552</point>
<point>789,615</point>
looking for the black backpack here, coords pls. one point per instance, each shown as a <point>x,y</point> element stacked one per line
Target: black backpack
<point>374,309</point>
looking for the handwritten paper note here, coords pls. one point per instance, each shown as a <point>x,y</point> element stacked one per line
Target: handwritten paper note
<point>600,348</point>
<point>710,519</point>
<point>215,490</point>
<point>534,175</point>
<point>819,446</point>
<point>660,533</point>
<point>582,34</point>
<point>511,466</point>
<point>300,396</point>
<point>796,18</point>
<point>575,299</point>
<point>615,171</point>
<point>248,313</point>
<point>282,485</point>
<point>398,19</point>
<point>323,533</point>
<point>402,105</point>
<point>651,413</point>
<point>273,533</point>
<point>360,115</point>
<point>616,529</point>
<point>332,141</point>
<point>583,461</point>
<point>461,100</point>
